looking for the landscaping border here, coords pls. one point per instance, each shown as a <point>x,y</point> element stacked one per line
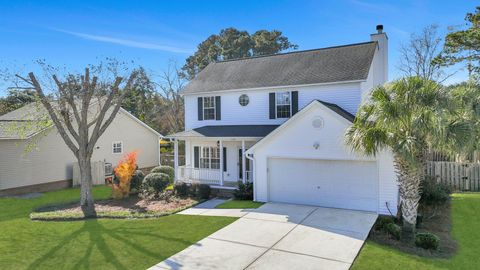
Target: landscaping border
<point>38,215</point>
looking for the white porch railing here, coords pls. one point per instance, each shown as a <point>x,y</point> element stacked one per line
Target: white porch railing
<point>204,176</point>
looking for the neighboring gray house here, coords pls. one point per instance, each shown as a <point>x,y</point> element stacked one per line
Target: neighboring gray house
<point>48,165</point>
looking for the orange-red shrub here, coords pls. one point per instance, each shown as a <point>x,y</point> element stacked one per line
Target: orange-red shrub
<point>124,171</point>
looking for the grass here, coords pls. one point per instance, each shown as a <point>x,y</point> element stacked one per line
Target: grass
<point>239,204</point>
<point>94,243</point>
<point>465,230</point>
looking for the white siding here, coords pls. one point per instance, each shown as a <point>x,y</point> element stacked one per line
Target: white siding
<point>296,141</point>
<point>347,96</point>
<point>52,160</point>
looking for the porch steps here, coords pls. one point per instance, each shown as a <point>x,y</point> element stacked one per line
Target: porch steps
<point>222,193</point>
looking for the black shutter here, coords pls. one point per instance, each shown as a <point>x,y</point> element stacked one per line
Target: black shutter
<point>218,108</point>
<point>224,159</point>
<point>271,98</point>
<point>294,102</point>
<point>200,109</point>
<point>196,157</point>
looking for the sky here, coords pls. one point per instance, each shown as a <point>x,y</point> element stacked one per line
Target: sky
<point>155,34</point>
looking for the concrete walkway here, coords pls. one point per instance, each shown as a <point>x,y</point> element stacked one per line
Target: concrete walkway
<point>277,236</point>
<point>208,209</point>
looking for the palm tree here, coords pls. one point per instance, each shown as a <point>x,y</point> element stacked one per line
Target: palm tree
<point>407,117</point>
<point>466,98</point>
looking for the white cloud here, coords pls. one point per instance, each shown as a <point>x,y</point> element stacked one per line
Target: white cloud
<point>127,42</point>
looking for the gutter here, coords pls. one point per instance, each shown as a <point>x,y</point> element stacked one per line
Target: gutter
<point>272,87</point>
<point>252,158</point>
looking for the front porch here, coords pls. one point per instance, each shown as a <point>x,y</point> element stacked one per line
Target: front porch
<point>214,157</point>
<point>188,174</point>
<point>218,162</point>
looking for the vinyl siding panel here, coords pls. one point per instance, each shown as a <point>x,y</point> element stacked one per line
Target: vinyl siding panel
<point>331,147</point>
<point>51,160</point>
<point>347,96</point>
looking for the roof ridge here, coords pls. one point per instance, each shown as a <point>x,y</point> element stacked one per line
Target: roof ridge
<point>293,52</point>
<point>346,114</point>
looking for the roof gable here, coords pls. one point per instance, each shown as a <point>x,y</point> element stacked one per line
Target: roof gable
<point>341,114</point>
<point>326,65</point>
<point>20,123</point>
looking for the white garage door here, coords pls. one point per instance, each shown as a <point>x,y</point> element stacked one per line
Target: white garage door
<point>329,183</point>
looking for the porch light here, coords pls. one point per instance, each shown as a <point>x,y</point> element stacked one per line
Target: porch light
<point>316,145</point>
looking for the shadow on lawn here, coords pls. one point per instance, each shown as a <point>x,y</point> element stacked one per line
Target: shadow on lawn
<point>97,238</point>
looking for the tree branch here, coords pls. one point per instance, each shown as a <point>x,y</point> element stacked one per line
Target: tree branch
<point>53,115</point>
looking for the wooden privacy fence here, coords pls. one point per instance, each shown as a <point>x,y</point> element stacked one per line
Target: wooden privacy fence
<point>98,173</point>
<point>459,176</point>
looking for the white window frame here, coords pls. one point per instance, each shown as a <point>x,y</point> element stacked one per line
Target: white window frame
<point>214,108</point>
<point>208,159</point>
<point>276,104</point>
<point>121,147</point>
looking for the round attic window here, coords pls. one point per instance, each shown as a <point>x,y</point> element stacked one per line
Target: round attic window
<point>317,122</point>
<point>243,100</point>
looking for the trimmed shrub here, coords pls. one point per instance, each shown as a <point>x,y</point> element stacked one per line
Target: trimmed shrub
<point>382,222</point>
<point>155,183</point>
<point>137,180</point>
<point>394,230</point>
<point>203,191</point>
<point>181,189</point>
<point>433,193</point>
<point>244,191</point>
<point>192,191</point>
<point>170,171</point>
<point>427,240</point>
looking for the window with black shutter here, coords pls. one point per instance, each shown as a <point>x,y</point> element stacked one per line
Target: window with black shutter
<point>209,108</point>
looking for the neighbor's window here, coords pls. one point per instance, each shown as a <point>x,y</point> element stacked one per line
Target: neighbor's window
<point>210,157</point>
<point>209,108</point>
<point>283,104</point>
<point>117,147</point>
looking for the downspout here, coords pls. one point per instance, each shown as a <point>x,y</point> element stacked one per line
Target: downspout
<point>252,158</point>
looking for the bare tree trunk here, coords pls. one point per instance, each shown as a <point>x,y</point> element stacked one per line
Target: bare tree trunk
<point>409,179</point>
<point>86,195</point>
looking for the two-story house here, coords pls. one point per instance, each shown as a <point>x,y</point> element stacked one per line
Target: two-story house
<point>279,121</point>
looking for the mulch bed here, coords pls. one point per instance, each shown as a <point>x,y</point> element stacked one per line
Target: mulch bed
<point>132,207</point>
<point>440,225</point>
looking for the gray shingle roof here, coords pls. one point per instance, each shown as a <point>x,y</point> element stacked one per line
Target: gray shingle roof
<point>342,112</point>
<point>228,131</point>
<point>23,122</point>
<point>333,64</point>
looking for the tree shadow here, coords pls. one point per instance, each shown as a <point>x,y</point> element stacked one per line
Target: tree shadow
<point>97,234</point>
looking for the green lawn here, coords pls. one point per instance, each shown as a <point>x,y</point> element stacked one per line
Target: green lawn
<point>239,204</point>
<point>466,230</point>
<point>93,244</point>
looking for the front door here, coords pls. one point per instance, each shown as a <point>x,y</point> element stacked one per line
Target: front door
<point>240,165</point>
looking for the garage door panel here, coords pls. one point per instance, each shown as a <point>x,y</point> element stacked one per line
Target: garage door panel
<point>329,183</point>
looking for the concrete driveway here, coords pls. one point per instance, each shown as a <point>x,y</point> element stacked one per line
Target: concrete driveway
<point>280,236</point>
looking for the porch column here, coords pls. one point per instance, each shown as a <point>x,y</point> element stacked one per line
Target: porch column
<point>244,170</point>
<point>221,162</point>
<point>175,158</point>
